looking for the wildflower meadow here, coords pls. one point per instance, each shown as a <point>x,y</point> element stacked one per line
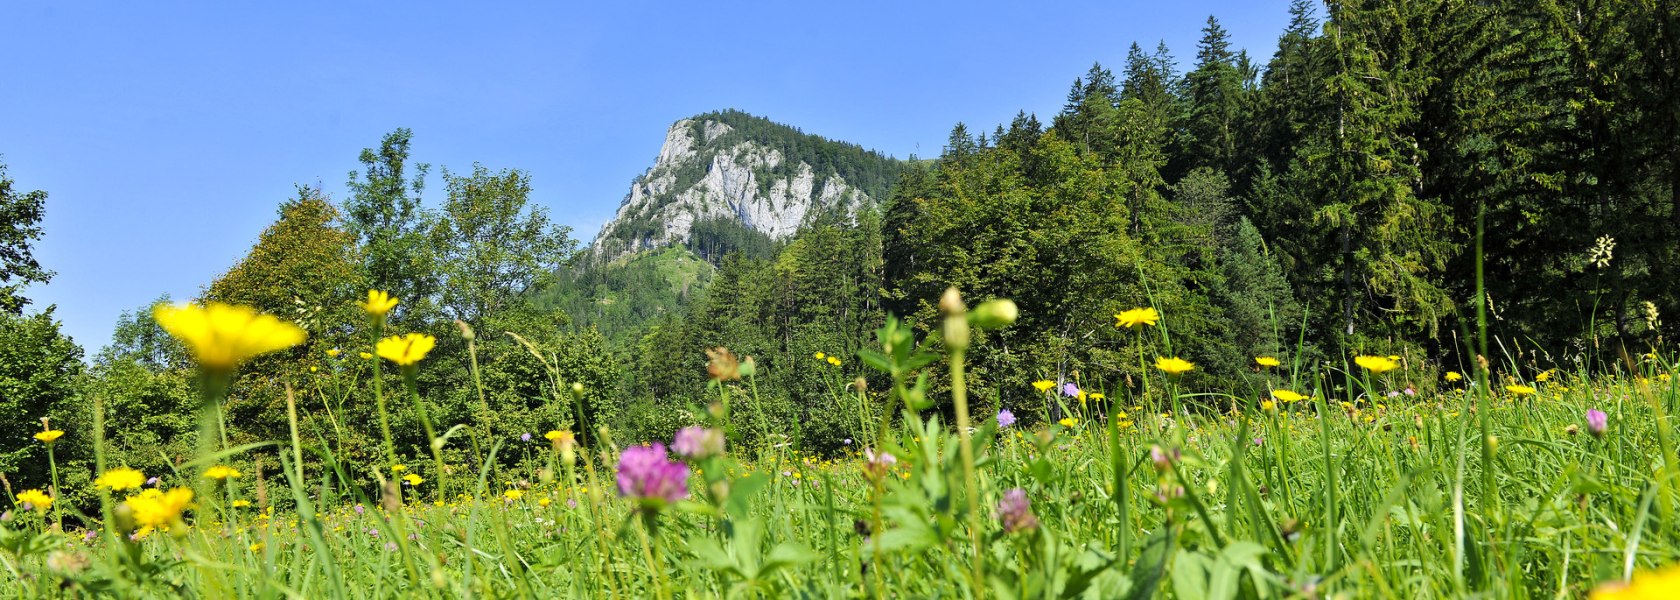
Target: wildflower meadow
<point>1335,481</point>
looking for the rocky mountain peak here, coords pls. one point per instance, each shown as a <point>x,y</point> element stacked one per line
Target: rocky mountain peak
<point>731,170</point>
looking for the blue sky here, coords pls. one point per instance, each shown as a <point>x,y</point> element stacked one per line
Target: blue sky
<point>167,133</point>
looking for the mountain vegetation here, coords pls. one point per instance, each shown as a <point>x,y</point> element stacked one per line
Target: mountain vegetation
<point>1319,286</point>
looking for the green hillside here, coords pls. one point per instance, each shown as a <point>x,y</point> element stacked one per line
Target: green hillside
<point>621,296</point>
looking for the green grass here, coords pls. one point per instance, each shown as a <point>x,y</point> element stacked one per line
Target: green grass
<point>1346,494</point>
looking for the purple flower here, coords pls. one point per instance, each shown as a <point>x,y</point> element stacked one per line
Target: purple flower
<point>152,481</point>
<point>1005,418</point>
<point>90,535</point>
<point>877,465</point>
<point>646,474</point>
<point>390,546</point>
<point>1016,511</point>
<point>1597,421</point>
<point>1070,390</point>
<point>360,509</point>
<point>697,443</point>
<point>848,441</point>
<point>524,437</point>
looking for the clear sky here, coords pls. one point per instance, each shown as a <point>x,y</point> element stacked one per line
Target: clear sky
<point>166,133</point>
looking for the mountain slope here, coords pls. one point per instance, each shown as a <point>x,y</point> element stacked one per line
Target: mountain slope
<point>728,179</point>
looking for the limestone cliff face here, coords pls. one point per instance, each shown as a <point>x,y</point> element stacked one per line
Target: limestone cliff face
<point>707,170</point>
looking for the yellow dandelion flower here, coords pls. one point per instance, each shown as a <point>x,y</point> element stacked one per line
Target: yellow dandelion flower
<point>378,303</point>
<point>241,503</point>
<point>834,361</point>
<point>221,472</point>
<point>1097,396</point>
<point>1646,585</point>
<point>1377,365</point>
<point>413,479</point>
<point>556,435</point>
<point>1135,317</point>
<point>1068,422</point>
<point>1520,390</point>
<point>221,336</point>
<point>1268,405</point>
<point>49,436</point>
<point>153,508</point>
<point>257,547</point>
<point>120,478</point>
<point>1287,396</point>
<point>398,468</point>
<point>1454,376</point>
<point>1267,361</point>
<point>37,499</point>
<point>333,353</point>
<point>1043,385</point>
<point>406,350</point>
<point>365,355</point>
<point>513,494</point>
<point>819,356</point>
<point>1173,365</point>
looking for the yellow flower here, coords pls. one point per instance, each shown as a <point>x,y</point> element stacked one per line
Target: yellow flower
<point>1646,585</point>
<point>544,501</point>
<point>333,353</point>
<point>36,498</point>
<point>1068,422</point>
<point>513,494</point>
<point>49,436</point>
<point>120,478</point>
<point>1545,376</point>
<point>1174,365</point>
<point>1268,405</point>
<point>241,503</point>
<point>1266,361</point>
<point>364,355</point>
<point>1135,317</point>
<point>1377,365</point>
<point>153,508</point>
<point>378,303</point>
<point>556,435</point>
<point>220,472</point>
<point>1043,385</point>
<point>221,336</point>
<point>1096,396</point>
<point>1287,396</point>
<point>413,479</point>
<point>1520,390</point>
<point>834,361</point>
<point>406,350</point>
<point>257,547</point>
<point>1454,376</point>
<point>819,356</point>
<point>398,468</point>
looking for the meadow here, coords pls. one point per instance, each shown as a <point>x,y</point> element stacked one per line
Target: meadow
<point>1340,481</point>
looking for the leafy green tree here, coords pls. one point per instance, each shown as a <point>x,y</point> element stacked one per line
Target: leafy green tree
<point>20,227</point>
<point>303,268</point>
<point>39,367</point>
<point>492,245</point>
<point>386,217</point>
